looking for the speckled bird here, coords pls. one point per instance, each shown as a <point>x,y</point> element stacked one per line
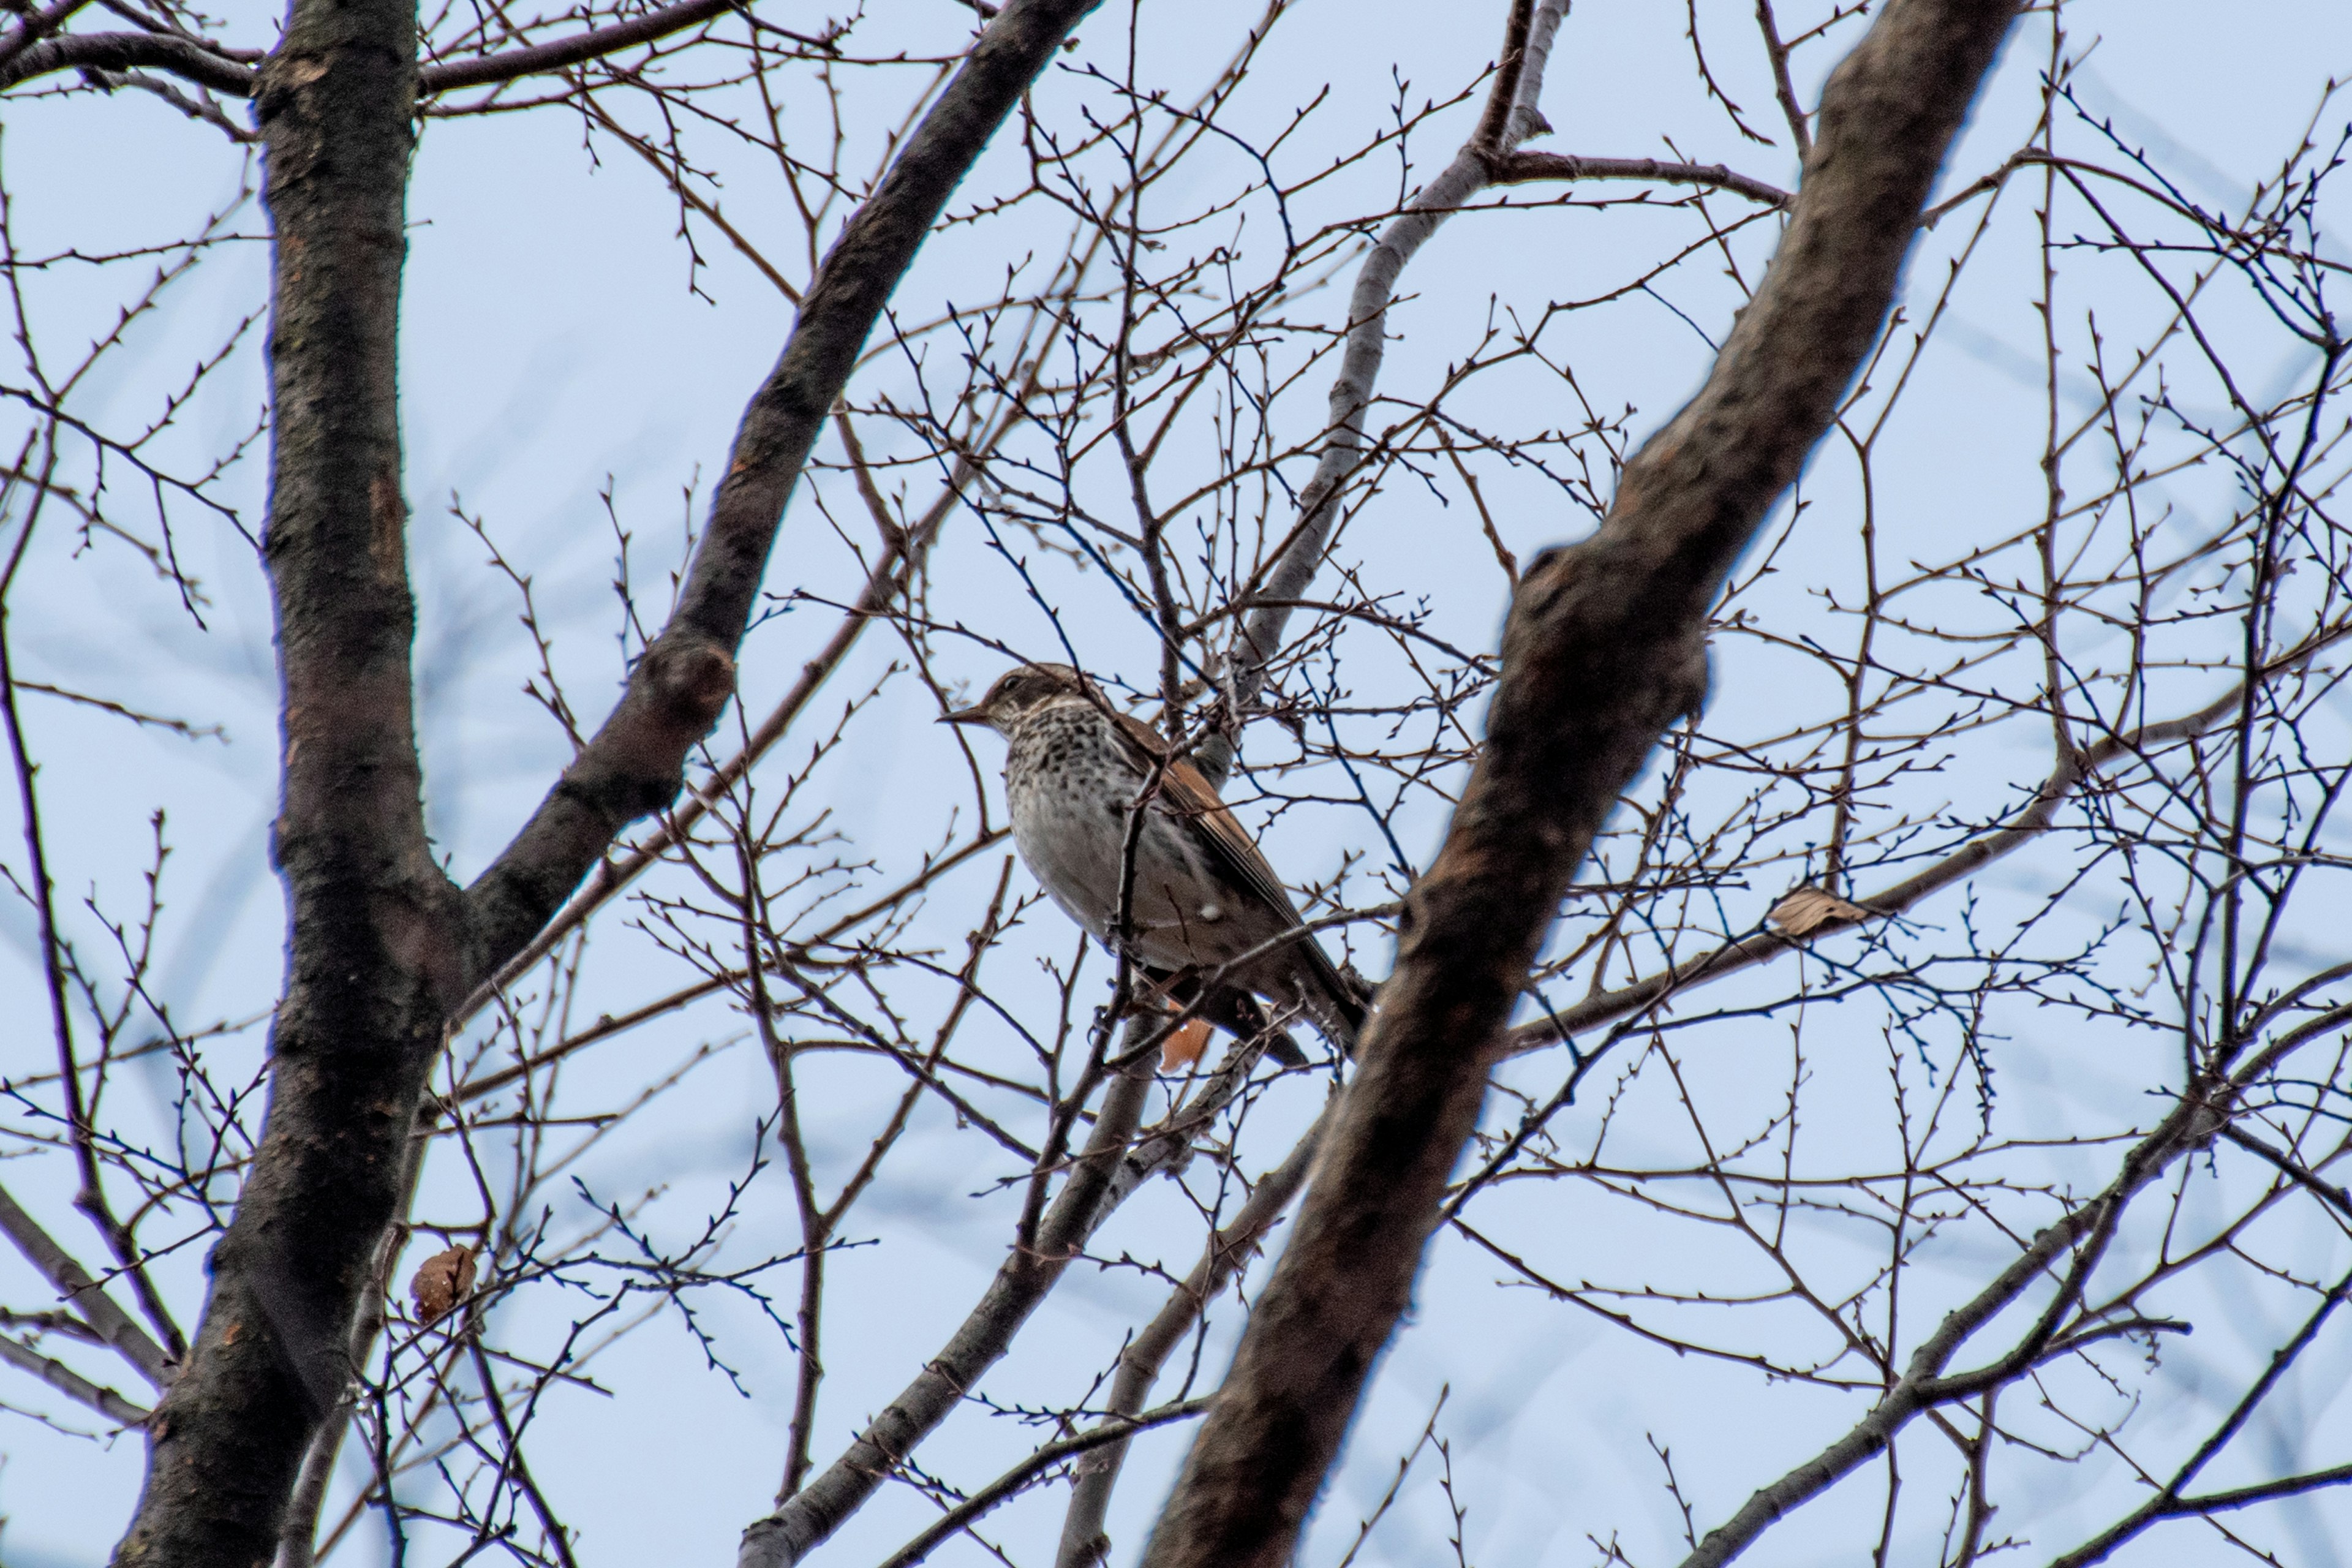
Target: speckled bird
<point>1203,893</point>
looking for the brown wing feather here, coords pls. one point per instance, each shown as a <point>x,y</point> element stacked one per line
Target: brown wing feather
<point>1189,794</point>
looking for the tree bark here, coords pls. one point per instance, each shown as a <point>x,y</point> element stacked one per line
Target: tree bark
<point>372,960</point>
<point>1604,647</point>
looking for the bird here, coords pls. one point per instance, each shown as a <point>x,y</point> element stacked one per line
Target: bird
<point>1203,894</point>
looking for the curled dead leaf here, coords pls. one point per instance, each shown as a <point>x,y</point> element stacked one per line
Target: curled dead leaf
<point>441,1282</point>
<point>1809,908</point>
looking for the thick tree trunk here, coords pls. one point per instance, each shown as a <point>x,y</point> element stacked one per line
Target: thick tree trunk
<point>372,963</point>
<point>1603,650</point>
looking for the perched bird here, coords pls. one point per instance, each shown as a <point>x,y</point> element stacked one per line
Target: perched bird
<point>1203,894</point>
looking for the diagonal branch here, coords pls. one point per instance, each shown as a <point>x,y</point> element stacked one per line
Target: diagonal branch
<point>85,1294</point>
<point>1604,647</point>
<point>1084,1545</point>
<point>71,1383</point>
<point>902,557</point>
<point>1113,1432</point>
<point>1510,117</point>
<point>39,25</point>
<point>806,1518</point>
<point>2192,1124</point>
<point>635,762</point>
<point>2168,1503</point>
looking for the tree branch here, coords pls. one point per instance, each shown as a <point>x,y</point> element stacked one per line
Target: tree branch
<point>1603,648</point>
<point>2168,1503</point>
<point>901,557</point>
<point>1084,1545</point>
<point>2198,1118</point>
<point>71,1383</point>
<point>183,57</point>
<point>2064,780</point>
<point>578,49</point>
<point>1524,168</point>
<point>375,956</point>
<point>85,1294</point>
<point>39,25</point>
<point>1114,1431</point>
<point>224,72</point>
<point>635,762</point>
<point>1510,117</point>
<point>806,1518</point>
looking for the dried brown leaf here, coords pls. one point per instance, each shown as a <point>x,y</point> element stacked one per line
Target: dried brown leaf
<point>441,1282</point>
<point>1809,908</point>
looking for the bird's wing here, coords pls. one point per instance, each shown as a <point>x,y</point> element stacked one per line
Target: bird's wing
<point>1185,791</point>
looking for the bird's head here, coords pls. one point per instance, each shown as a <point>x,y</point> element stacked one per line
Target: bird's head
<point>1017,693</point>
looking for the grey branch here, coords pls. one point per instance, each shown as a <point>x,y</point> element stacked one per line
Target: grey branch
<point>1114,1431</point>
<point>806,1518</point>
<point>1526,168</point>
<point>230,72</point>
<point>1519,85</point>
<point>2201,1116</point>
<point>71,1384</point>
<point>1084,1545</point>
<point>112,1324</point>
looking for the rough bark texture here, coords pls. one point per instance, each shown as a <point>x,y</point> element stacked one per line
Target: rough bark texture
<point>1602,651</point>
<point>373,962</point>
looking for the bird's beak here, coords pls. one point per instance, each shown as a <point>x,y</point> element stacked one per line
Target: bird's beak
<point>965,716</point>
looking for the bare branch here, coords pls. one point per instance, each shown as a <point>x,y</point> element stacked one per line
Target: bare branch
<point>806,1518</point>
<point>1113,1431</point>
<point>73,1283</point>
<point>71,1383</point>
<point>183,57</point>
<point>227,71</point>
<point>635,762</point>
<point>1084,1545</point>
<point>1600,653</point>
<point>2033,820</point>
<point>1510,118</point>
<point>449,75</point>
<point>1525,168</point>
